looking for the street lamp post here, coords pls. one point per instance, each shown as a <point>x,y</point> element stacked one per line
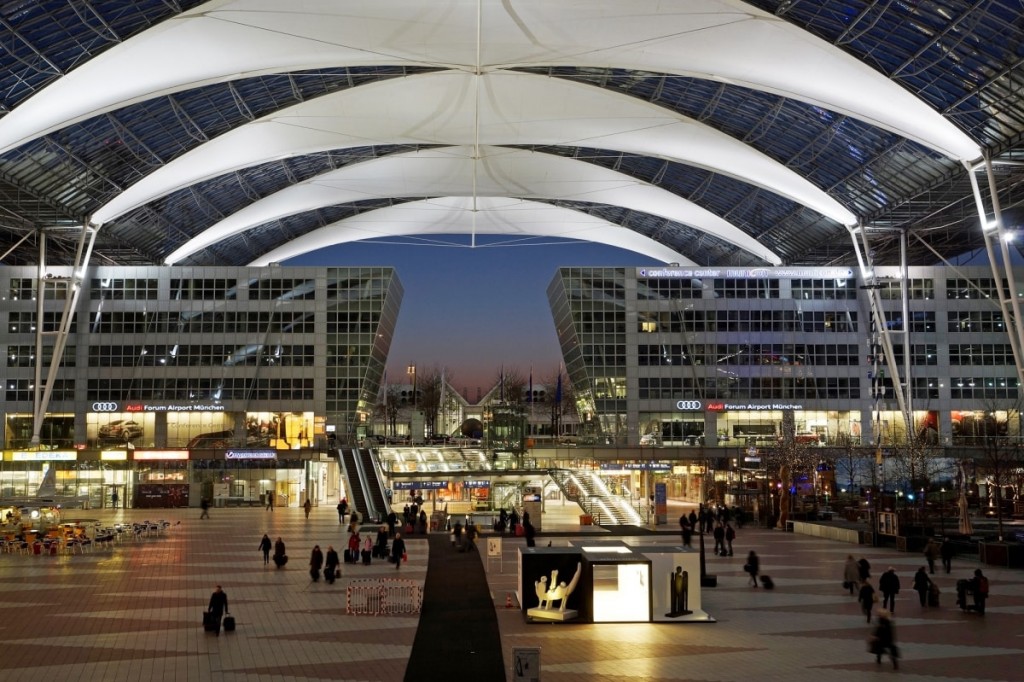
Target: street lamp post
<point>411,371</point>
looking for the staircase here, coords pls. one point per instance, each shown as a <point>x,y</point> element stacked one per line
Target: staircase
<point>586,489</point>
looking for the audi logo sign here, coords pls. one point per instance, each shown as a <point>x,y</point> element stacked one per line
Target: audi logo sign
<point>105,407</point>
<point>690,405</point>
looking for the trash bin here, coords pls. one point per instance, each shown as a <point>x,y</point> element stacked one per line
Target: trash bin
<point>586,520</point>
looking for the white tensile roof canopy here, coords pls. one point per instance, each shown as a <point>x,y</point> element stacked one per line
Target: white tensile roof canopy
<point>492,135</point>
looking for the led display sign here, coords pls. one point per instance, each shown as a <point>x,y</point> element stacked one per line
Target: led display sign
<point>45,456</point>
<point>250,454</point>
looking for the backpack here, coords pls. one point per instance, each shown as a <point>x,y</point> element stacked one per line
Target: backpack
<point>983,585</point>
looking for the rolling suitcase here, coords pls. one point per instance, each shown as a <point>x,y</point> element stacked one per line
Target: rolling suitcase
<point>933,595</point>
<point>229,623</point>
<point>366,557</point>
<point>210,622</point>
<point>767,582</point>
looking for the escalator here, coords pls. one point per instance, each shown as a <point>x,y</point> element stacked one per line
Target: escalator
<point>374,491</point>
<point>363,483</point>
<point>353,481</point>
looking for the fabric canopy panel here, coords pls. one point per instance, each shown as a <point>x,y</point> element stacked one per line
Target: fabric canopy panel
<point>487,172</point>
<point>724,40</point>
<point>458,108</point>
<point>517,220</point>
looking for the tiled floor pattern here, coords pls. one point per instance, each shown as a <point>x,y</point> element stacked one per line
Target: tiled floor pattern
<point>133,612</point>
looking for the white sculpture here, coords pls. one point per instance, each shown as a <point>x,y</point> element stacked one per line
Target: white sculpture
<point>558,591</point>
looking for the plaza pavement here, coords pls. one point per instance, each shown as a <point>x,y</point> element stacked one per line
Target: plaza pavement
<point>132,612</point>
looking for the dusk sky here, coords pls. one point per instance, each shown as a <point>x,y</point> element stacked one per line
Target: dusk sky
<point>471,310</point>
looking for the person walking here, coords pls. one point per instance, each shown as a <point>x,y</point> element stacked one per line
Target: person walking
<point>270,500</point>
<point>398,550</point>
<point>863,569</point>
<point>352,554</point>
<point>922,585</point>
<point>265,545</point>
<point>113,499</point>
<point>218,606</point>
<point>883,639</point>
<point>530,532</point>
<point>204,504</point>
<point>889,586</point>
<point>931,553</point>
<point>341,512</point>
<point>280,558</point>
<point>307,506</point>
<point>719,535</point>
<point>851,575</point>
<point>867,598</point>
<point>946,552</point>
<point>331,563</point>
<point>730,535</point>
<point>979,589</point>
<point>753,567</point>
<point>316,562</point>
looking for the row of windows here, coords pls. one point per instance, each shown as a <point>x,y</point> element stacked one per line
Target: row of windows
<point>24,390</point>
<point>709,321</point>
<point>25,289</point>
<point>201,355</point>
<point>824,289</point>
<point>981,354</point>
<point>746,288</point>
<point>171,388</point>
<point>353,322</point>
<point>218,322</point>
<point>749,354</point>
<point>985,388</point>
<point>668,289</point>
<point>984,287</point>
<point>677,388</point>
<point>217,289</point>
<point>25,356</point>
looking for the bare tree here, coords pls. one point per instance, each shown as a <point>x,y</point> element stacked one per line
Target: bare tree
<point>791,460</point>
<point>1002,455</point>
<point>512,386</point>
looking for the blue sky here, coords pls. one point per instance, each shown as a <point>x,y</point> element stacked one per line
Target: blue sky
<point>472,310</point>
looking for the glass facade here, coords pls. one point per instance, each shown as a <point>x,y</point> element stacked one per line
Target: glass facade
<point>693,356</point>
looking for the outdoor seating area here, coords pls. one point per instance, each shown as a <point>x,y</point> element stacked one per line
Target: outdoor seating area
<point>77,537</point>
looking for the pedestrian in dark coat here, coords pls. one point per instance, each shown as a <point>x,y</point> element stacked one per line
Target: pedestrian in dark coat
<point>979,589</point>
<point>863,569</point>
<point>331,563</point>
<point>398,550</point>
<point>922,585</point>
<point>753,567</point>
<point>884,639</point>
<point>730,535</point>
<point>530,532</point>
<point>316,562</point>
<point>218,605</point>
<point>280,558</point>
<point>867,597</point>
<point>946,552</point>
<point>693,520</point>
<point>889,586</point>
<point>719,535</point>
<point>265,546</point>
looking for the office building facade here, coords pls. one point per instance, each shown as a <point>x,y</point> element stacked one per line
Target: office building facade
<point>691,356</point>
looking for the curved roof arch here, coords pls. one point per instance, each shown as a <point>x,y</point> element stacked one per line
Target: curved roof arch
<point>454,107</point>
<point>518,221</point>
<point>725,40</point>
<point>483,172</point>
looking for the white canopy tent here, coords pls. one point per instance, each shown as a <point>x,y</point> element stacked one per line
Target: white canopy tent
<point>465,171</point>
<point>518,221</point>
<point>725,40</point>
